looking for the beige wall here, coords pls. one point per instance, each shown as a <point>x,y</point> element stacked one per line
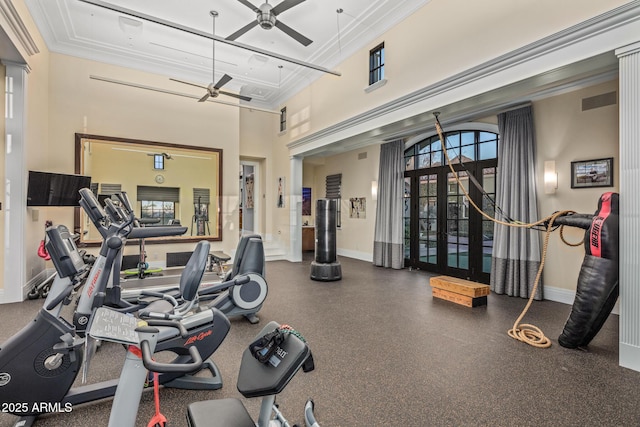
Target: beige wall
<point>36,144</point>
<point>79,104</point>
<point>433,44</point>
<point>257,132</point>
<point>355,236</point>
<point>565,133</point>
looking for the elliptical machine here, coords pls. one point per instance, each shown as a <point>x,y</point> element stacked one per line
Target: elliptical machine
<point>39,364</point>
<point>242,293</point>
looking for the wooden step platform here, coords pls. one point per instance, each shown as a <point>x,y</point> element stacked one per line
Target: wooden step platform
<point>459,291</point>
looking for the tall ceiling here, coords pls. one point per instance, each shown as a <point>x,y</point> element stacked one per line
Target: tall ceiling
<point>337,28</point>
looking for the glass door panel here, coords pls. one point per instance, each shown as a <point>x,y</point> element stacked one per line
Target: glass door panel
<point>457,222</point>
<point>428,219</point>
<point>407,218</point>
<point>489,185</point>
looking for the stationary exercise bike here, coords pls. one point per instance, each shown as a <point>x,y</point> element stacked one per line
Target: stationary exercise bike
<point>270,362</point>
<point>39,364</point>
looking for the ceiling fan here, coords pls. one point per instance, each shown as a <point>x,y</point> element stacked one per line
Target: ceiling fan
<point>213,89</point>
<point>267,19</point>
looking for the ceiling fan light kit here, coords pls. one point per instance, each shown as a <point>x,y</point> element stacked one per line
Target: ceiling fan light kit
<point>266,19</point>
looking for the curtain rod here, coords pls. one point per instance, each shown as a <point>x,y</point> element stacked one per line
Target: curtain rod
<point>515,107</point>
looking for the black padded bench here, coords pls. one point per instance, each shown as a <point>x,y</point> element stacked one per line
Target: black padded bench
<point>217,258</point>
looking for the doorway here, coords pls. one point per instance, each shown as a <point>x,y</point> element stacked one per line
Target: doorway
<point>444,234</point>
<point>249,205</point>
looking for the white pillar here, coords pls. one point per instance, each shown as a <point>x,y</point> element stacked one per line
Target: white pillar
<point>295,210</point>
<point>15,182</point>
<point>629,105</point>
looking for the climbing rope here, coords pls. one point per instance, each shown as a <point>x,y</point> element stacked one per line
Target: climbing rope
<point>524,332</point>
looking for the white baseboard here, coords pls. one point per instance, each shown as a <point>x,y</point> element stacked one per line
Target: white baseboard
<point>564,296</point>
<point>35,281</point>
<point>567,296</point>
<point>362,256</point>
<point>629,356</point>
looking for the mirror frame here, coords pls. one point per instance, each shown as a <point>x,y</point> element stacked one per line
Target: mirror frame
<point>79,137</point>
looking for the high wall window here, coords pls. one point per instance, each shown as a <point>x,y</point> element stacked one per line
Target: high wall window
<point>283,119</point>
<point>158,161</point>
<point>376,64</point>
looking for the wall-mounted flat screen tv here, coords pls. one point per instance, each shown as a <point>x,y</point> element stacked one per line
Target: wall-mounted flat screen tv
<point>55,189</point>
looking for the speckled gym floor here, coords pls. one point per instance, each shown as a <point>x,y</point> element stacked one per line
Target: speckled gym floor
<point>387,353</point>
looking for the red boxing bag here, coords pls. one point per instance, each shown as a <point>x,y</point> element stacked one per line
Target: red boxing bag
<point>597,289</point>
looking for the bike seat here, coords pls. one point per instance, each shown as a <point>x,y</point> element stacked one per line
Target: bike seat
<point>189,282</point>
<point>219,413</point>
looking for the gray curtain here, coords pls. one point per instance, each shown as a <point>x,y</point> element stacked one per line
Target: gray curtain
<point>516,251</point>
<point>388,250</point>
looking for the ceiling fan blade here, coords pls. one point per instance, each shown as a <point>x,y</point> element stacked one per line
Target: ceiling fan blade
<point>204,98</point>
<point>293,33</point>
<point>188,83</point>
<point>285,5</point>
<point>242,30</point>
<point>249,5</point>
<point>242,97</point>
<point>223,81</point>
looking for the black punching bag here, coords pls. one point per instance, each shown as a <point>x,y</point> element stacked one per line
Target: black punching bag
<point>326,267</point>
<point>597,289</point>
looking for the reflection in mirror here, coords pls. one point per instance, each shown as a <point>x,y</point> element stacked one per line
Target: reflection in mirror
<point>166,183</point>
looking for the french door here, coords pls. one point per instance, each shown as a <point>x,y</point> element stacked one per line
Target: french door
<point>443,231</point>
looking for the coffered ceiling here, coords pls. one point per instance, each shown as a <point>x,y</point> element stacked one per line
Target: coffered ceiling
<point>92,29</point>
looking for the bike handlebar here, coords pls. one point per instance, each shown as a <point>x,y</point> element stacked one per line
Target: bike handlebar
<point>154,366</point>
<point>238,280</point>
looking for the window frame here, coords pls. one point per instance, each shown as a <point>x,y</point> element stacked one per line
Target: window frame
<point>376,64</point>
<point>283,119</point>
<point>164,220</point>
<point>158,161</point>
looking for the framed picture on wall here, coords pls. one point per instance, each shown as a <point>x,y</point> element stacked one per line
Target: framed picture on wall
<point>358,207</point>
<point>280,193</point>
<point>592,173</point>
<point>306,201</point>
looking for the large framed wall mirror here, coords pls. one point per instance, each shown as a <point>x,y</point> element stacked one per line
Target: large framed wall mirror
<point>166,183</point>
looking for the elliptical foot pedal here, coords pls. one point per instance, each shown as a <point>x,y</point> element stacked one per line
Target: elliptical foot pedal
<point>252,318</point>
<point>193,382</point>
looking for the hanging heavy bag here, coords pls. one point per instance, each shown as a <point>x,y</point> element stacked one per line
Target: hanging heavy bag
<point>597,289</point>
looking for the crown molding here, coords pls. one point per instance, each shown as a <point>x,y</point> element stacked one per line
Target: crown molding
<point>589,39</point>
<point>16,30</point>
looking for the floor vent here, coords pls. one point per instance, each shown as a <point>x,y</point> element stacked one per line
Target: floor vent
<point>177,259</point>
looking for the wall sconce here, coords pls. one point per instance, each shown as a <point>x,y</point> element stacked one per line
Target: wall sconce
<point>550,177</point>
<point>374,190</point>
